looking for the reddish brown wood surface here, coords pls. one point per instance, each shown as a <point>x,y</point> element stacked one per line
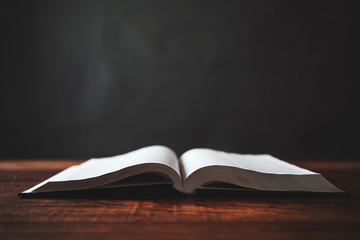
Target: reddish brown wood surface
<point>170,215</point>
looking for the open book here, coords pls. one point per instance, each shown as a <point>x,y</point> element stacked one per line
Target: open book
<point>195,169</point>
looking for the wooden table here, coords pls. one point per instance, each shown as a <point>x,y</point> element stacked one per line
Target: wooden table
<point>166,214</point>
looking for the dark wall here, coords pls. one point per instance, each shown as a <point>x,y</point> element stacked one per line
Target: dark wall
<point>96,78</point>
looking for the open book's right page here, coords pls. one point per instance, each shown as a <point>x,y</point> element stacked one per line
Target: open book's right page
<point>195,159</point>
<point>258,168</point>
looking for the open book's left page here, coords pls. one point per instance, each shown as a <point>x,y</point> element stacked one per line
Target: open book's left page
<point>98,172</point>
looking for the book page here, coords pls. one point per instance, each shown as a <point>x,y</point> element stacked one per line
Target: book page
<point>195,159</point>
<point>100,166</point>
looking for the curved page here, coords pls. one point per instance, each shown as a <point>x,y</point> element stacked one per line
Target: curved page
<point>195,159</point>
<point>99,171</point>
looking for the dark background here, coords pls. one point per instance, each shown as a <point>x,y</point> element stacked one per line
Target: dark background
<point>86,79</point>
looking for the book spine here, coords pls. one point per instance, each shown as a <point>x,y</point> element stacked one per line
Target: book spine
<point>182,191</point>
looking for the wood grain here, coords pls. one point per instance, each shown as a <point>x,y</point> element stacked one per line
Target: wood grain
<point>163,213</point>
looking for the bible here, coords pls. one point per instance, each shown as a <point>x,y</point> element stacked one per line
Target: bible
<point>198,168</point>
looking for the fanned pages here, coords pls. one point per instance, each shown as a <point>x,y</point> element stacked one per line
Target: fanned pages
<point>195,169</point>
